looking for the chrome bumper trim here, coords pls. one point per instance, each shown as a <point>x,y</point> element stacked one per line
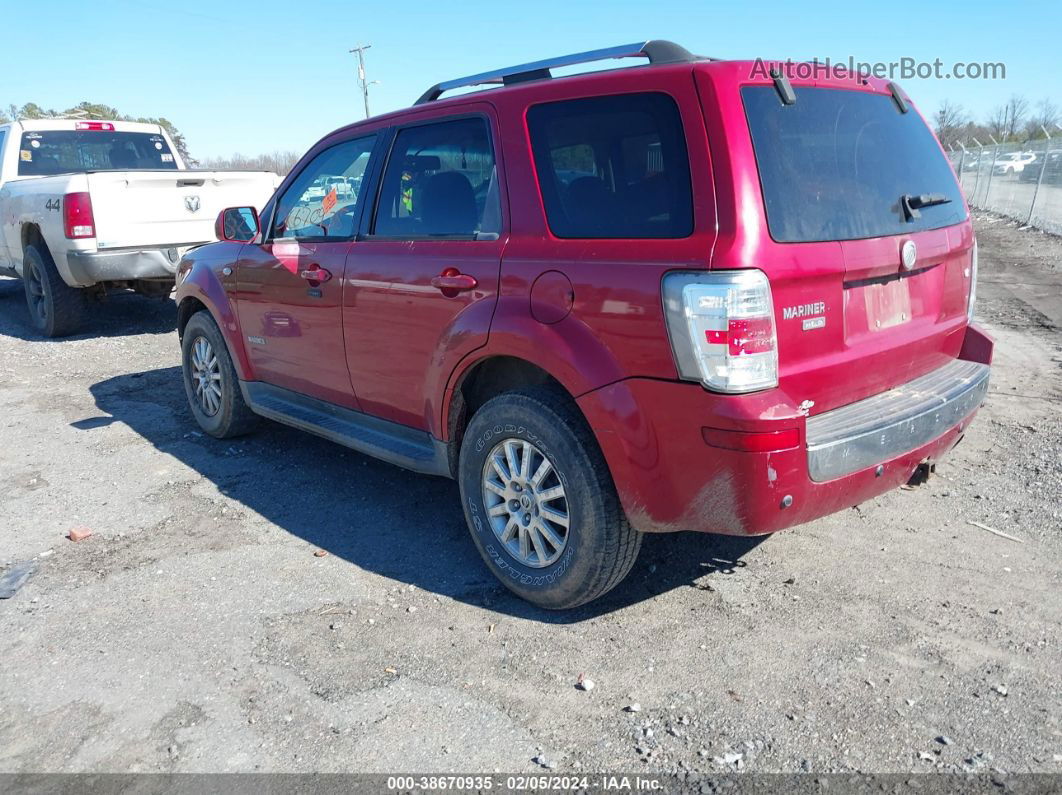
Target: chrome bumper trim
<point>883,426</point>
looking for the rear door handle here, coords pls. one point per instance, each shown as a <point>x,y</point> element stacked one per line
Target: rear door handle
<point>452,279</point>
<point>315,273</point>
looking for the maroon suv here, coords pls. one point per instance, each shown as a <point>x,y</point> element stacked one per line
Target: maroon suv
<point>689,295</point>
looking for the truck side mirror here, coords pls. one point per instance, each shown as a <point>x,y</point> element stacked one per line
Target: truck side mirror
<point>237,224</point>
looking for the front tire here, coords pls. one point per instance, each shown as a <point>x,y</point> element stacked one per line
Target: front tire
<point>56,309</point>
<point>210,381</point>
<point>540,501</point>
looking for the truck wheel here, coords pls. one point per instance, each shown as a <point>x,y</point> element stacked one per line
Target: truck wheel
<point>55,308</point>
<point>210,381</point>
<point>540,501</point>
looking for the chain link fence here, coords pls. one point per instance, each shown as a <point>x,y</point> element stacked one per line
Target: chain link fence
<point>1021,181</point>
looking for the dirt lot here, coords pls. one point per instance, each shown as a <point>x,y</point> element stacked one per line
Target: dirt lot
<point>196,630</point>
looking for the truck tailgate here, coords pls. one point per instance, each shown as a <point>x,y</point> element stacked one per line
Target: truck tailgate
<point>169,208</point>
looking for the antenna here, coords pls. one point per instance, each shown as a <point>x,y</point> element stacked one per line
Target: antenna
<point>360,50</point>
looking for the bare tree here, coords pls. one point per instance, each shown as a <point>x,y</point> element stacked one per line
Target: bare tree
<point>1006,120</point>
<point>279,162</point>
<point>996,123</point>
<point>951,121</point>
<point>1017,109</point>
<point>1046,116</point>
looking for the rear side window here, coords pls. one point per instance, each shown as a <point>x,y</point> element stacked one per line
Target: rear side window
<point>44,152</point>
<point>613,167</point>
<point>835,164</point>
<point>441,181</point>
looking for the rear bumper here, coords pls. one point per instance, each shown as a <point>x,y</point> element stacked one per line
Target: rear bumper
<point>92,267</point>
<point>674,470</point>
<point>863,434</point>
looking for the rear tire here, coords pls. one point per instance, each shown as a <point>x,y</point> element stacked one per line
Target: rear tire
<point>585,546</point>
<point>210,381</point>
<point>56,309</point>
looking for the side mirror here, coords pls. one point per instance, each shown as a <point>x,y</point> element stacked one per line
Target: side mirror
<point>237,224</point>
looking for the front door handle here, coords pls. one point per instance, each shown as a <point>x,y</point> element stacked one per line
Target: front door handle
<point>452,280</point>
<point>315,273</point>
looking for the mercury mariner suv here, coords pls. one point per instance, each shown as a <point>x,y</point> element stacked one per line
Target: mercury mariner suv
<point>691,294</point>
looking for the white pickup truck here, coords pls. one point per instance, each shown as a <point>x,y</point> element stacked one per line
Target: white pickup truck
<point>87,206</point>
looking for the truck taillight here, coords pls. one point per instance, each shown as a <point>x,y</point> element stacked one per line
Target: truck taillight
<point>973,285</point>
<point>94,125</point>
<point>77,216</point>
<point>721,325</point>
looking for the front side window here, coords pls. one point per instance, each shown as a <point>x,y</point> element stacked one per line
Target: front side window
<point>45,152</point>
<point>613,167</point>
<point>441,181</point>
<point>322,202</point>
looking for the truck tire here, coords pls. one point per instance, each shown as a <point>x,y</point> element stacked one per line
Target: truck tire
<point>210,381</point>
<point>55,308</point>
<point>540,502</point>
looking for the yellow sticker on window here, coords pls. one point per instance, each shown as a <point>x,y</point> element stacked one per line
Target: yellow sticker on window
<point>26,155</point>
<point>329,202</point>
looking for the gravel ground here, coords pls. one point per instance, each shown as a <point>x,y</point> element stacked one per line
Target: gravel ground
<point>196,630</point>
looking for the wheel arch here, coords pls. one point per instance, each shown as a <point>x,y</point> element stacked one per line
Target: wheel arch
<point>32,236</point>
<point>200,290</point>
<point>485,377</point>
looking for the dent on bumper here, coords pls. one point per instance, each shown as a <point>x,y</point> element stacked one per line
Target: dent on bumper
<point>91,267</point>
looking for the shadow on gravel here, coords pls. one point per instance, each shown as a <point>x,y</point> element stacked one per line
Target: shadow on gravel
<point>122,314</point>
<point>401,525</point>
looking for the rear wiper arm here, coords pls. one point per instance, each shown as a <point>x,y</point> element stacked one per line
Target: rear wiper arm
<point>911,204</point>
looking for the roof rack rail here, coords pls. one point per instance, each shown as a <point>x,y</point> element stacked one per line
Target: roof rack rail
<point>657,51</point>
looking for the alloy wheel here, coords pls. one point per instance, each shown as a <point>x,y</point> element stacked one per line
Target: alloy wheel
<point>206,376</point>
<point>527,506</point>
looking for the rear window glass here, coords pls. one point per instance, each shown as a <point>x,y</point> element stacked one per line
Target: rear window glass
<point>835,165</point>
<point>44,152</point>
<point>613,167</point>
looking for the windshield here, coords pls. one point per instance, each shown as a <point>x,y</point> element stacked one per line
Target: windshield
<point>46,152</point>
<point>837,164</point>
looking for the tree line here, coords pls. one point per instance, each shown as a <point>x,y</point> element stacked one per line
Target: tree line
<point>280,162</point>
<point>1015,121</point>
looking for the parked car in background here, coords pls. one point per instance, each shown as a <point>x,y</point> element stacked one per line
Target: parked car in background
<point>87,206</point>
<point>677,297</point>
<point>1051,166</point>
<point>1013,163</point>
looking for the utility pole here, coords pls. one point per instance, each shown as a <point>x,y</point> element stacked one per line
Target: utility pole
<point>360,50</point>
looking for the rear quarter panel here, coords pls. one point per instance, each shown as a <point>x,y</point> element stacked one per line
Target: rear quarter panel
<point>616,327</point>
<point>24,202</point>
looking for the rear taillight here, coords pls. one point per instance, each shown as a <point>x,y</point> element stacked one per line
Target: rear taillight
<point>94,125</point>
<point>722,329</point>
<point>973,284</point>
<point>77,216</point>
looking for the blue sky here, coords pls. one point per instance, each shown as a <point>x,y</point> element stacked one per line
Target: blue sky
<point>257,77</point>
